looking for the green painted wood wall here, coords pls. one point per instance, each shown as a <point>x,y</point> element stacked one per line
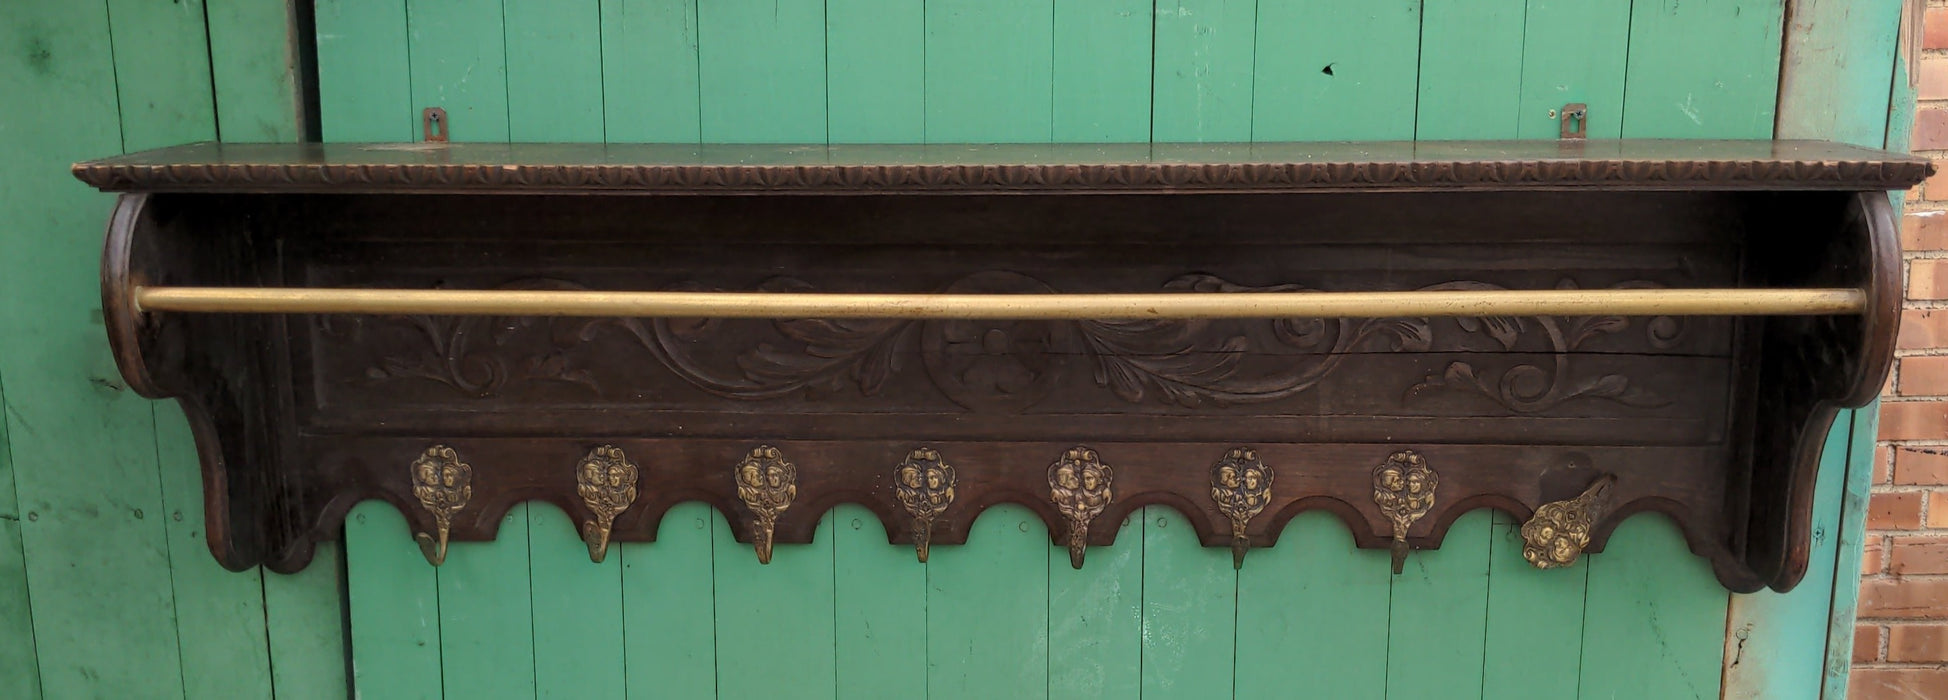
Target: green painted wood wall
<point>106,586</point>
<point>106,590</point>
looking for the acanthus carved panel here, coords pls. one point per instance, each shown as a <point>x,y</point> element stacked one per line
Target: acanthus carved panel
<point>1010,366</point>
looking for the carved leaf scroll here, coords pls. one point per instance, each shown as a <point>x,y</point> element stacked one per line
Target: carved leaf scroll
<point>1007,366</point>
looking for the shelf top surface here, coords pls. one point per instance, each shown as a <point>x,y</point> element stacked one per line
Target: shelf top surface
<point>976,168</point>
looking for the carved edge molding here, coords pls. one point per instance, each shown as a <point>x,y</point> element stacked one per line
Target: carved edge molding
<point>1128,177</point>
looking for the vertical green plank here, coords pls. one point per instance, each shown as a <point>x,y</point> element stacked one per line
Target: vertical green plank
<point>578,638</point>
<point>989,71</point>
<point>1203,70</point>
<point>1535,621</point>
<point>20,675</point>
<point>253,68</point>
<point>1190,611</point>
<point>1654,623</point>
<point>1438,615</point>
<point>485,607</point>
<point>1572,51</point>
<point>458,55</point>
<point>306,620</point>
<point>104,619</point>
<point>1102,66</point>
<point>774,621</point>
<point>1702,69</point>
<point>554,70</point>
<point>219,613</point>
<point>1335,71</point>
<point>987,610</point>
<point>390,589</point>
<point>1095,619</point>
<point>649,71</point>
<point>162,73</point>
<point>1834,82</point>
<point>875,70</point>
<point>1858,485</point>
<point>880,591</point>
<point>1470,69</point>
<point>1312,614</point>
<point>668,614</point>
<point>364,85</point>
<point>391,593</point>
<point>762,71</point>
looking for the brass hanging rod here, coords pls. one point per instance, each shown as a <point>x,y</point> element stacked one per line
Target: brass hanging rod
<point>1024,307</point>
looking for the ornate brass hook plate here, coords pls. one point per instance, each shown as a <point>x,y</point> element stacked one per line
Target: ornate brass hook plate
<point>443,484</point>
<point>1079,483</point>
<point>1241,485</point>
<point>1404,486</point>
<point>766,483</point>
<point>606,480</point>
<point>925,486</point>
<point>1556,535</point>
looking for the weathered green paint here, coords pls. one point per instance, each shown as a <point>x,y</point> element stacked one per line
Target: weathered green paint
<point>304,613</point>
<point>1202,73</point>
<point>485,612</point>
<point>1470,69</point>
<point>1095,618</point>
<point>365,91</point>
<point>457,53</point>
<point>1527,608</point>
<point>1653,618</point>
<point>879,600</point>
<point>554,70</point>
<point>980,92</point>
<point>1857,488</point>
<point>774,621</point>
<point>1446,590</point>
<point>761,71</point>
<point>649,71</point>
<point>1292,594</point>
<point>875,71</point>
<point>1572,52</point>
<point>1190,611</point>
<point>220,630</point>
<point>987,609</point>
<point>395,607</point>
<point>1335,71</point>
<point>1100,92</point>
<point>669,607</point>
<point>91,565</point>
<point>20,673</point>
<point>578,653</point>
<point>1702,68</point>
<point>253,66</point>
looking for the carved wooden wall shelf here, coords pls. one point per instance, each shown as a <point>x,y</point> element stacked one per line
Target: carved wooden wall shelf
<point>1700,312</point>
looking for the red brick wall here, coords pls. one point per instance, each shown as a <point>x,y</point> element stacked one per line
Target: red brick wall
<point>1901,642</point>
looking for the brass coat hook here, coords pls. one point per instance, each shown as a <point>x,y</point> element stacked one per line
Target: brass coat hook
<point>443,484</point>
<point>1079,483</point>
<point>1241,485</point>
<point>925,486</point>
<point>1404,486</point>
<point>1555,536</point>
<point>766,483</point>
<point>606,480</point>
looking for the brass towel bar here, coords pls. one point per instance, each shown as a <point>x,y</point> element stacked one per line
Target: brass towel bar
<point>1541,302</point>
